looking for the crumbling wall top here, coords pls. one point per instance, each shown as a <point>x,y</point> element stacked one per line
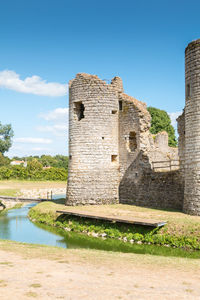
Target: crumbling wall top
<point>139,106</point>
<point>192,45</point>
<point>83,76</point>
<point>116,82</point>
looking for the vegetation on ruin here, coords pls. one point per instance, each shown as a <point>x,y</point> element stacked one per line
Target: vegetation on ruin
<point>160,121</point>
<point>181,232</point>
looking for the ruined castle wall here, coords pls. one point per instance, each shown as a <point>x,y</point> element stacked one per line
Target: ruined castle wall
<point>93,142</point>
<point>140,183</point>
<point>181,144</point>
<point>149,188</point>
<point>112,152</point>
<point>134,122</point>
<point>192,129</point>
<point>128,134</point>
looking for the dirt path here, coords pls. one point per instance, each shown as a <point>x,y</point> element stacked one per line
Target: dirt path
<point>49,273</point>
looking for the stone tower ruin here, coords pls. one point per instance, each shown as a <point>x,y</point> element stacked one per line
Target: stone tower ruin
<point>93,140</point>
<point>192,129</point>
<point>112,154</point>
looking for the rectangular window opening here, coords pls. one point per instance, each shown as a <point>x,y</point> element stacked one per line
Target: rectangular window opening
<point>188,92</point>
<point>114,112</point>
<point>113,158</point>
<point>79,110</point>
<point>132,141</point>
<point>120,105</point>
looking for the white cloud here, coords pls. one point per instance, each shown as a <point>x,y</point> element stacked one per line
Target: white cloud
<point>173,116</point>
<point>31,85</point>
<point>59,122</point>
<point>56,129</point>
<point>39,149</point>
<point>30,140</point>
<point>56,115</point>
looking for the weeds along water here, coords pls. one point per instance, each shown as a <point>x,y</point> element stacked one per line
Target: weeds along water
<point>76,240</point>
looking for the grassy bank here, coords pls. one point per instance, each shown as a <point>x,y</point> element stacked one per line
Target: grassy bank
<point>31,251</point>
<point>181,232</point>
<point>9,192</point>
<point>12,187</point>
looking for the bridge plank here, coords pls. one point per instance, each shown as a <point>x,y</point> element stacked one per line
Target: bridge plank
<point>118,219</point>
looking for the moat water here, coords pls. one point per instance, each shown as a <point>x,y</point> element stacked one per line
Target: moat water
<point>16,226</point>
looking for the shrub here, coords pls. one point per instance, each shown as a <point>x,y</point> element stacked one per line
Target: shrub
<point>37,173</point>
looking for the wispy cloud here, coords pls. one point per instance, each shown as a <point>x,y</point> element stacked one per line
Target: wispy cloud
<point>56,129</point>
<point>39,149</point>
<point>31,140</point>
<point>173,116</point>
<point>58,114</point>
<point>31,85</point>
<point>57,121</point>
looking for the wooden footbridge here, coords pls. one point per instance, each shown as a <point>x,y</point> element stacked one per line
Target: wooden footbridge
<point>114,219</point>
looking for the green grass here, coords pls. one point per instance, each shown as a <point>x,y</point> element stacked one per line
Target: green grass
<point>9,192</point>
<point>128,235</point>
<point>12,187</point>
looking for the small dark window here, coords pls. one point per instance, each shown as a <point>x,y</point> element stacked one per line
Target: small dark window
<point>114,112</point>
<point>102,137</point>
<point>120,105</point>
<point>188,92</point>
<point>114,158</point>
<point>79,110</point>
<point>70,157</point>
<point>132,141</point>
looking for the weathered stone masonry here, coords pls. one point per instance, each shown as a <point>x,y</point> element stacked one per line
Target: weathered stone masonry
<point>111,150</point>
<point>189,130</point>
<point>93,141</point>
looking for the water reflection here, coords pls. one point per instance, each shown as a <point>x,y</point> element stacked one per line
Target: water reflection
<point>14,225</point>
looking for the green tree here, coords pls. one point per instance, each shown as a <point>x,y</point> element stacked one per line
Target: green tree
<point>4,160</point>
<point>62,161</point>
<point>34,166</point>
<point>160,121</point>
<point>6,135</point>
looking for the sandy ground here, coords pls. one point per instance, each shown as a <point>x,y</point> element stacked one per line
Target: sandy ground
<point>50,273</point>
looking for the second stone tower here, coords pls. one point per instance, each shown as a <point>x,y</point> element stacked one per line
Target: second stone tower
<point>192,129</point>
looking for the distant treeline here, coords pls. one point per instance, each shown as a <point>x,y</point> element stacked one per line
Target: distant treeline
<point>43,167</point>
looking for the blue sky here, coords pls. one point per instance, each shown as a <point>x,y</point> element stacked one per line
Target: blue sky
<point>44,43</point>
